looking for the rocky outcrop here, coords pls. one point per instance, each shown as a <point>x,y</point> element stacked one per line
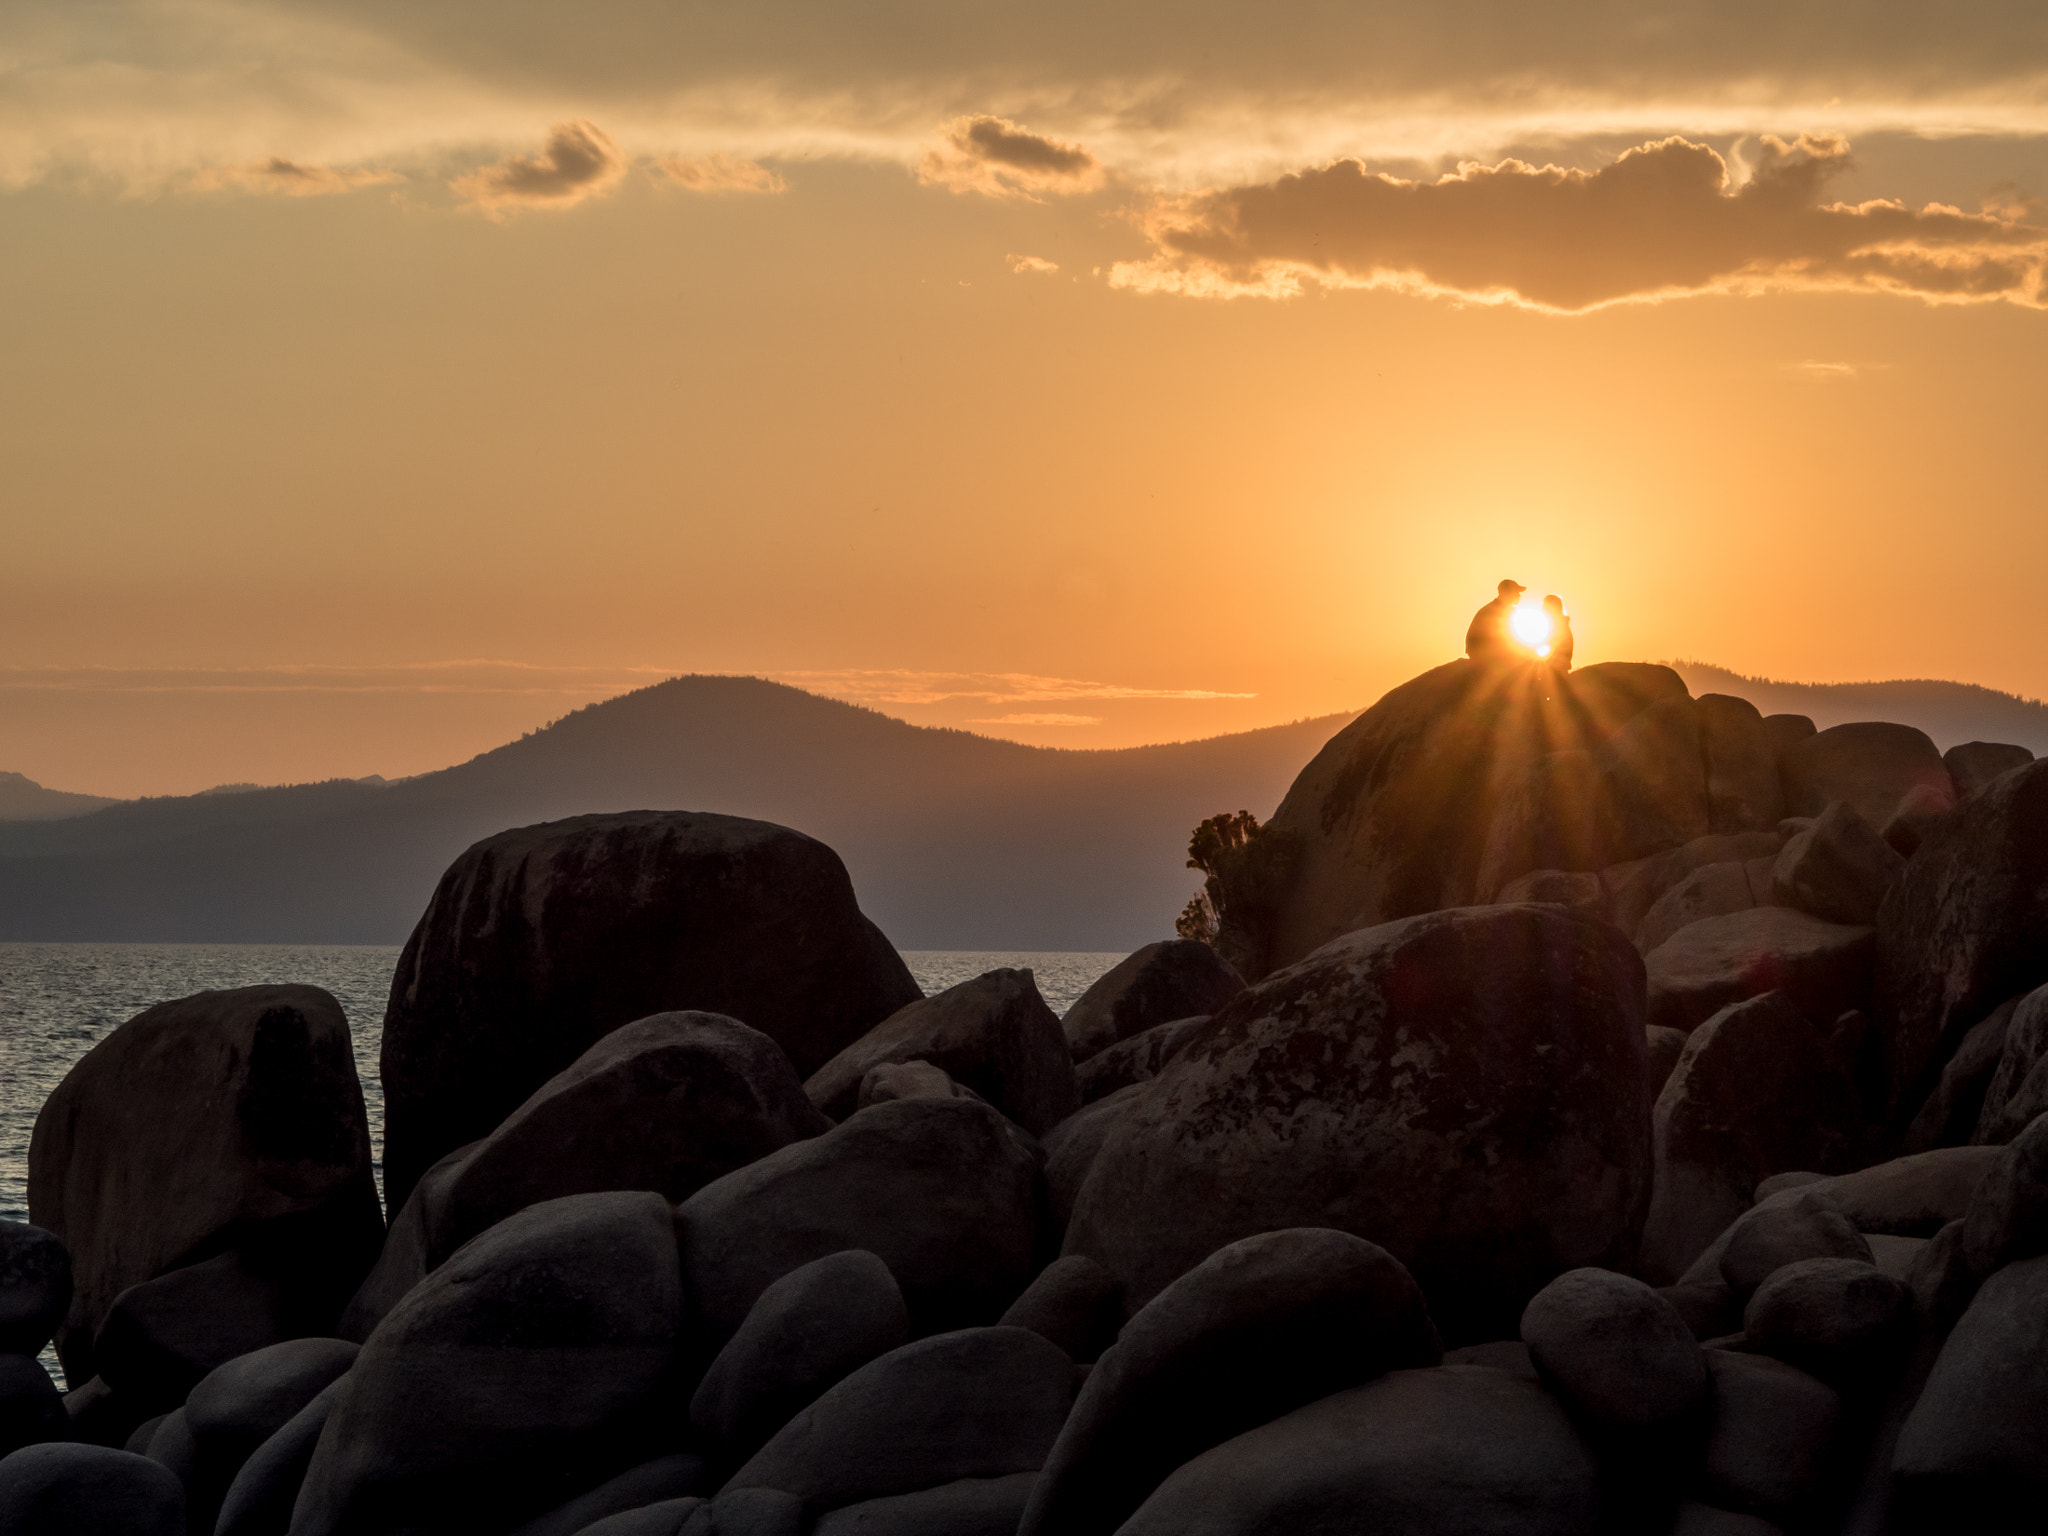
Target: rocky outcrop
<point>946,1192</point>
<point>1759,1089</point>
<point>2016,1093</point>
<point>666,1103</point>
<point>527,1360</point>
<point>1823,967</point>
<point>1961,931</point>
<point>1976,763</point>
<point>993,1035</point>
<point>539,941</point>
<point>1174,979</point>
<point>1392,817</point>
<point>1257,1329</point>
<point>1836,868</point>
<point>1464,1089</point>
<point>1871,765</point>
<point>227,1120</point>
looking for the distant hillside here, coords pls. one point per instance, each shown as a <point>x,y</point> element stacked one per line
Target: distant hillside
<point>954,841</point>
<point>23,799</point>
<point>1949,712</point>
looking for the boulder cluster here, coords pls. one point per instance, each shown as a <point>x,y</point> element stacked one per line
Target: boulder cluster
<point>1628,1115</point>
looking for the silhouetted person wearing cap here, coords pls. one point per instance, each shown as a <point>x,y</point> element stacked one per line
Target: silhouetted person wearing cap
<point>1560,658</point>
<point>1488,639</point>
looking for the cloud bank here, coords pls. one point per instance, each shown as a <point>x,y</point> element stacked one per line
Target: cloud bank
<point>1663,220</point>
<point>580,161</point>
<point>719,173</point>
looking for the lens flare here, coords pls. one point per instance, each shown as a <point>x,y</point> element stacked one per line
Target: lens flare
<point>1531,626</point>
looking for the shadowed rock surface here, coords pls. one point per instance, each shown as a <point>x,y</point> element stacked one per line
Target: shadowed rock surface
<point>1464,1089</point>
<point>1174,979</point>
<point>540,941</point>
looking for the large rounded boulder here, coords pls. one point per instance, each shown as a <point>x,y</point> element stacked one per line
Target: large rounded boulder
<point>223,1120</point>
<point>541,940</point>
<point>1465,1089</point>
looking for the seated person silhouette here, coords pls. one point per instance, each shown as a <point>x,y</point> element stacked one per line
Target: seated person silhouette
<point>1559,656</point>
<point>1488,638</point>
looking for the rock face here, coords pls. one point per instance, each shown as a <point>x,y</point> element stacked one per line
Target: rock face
<point>1136,1060</point>
<point>1837,868</point>
<point>31,1409</point>
<point>224,1119</point>
<point>1775,1438</point>
<point>541,940</point>
<point>241,1404</point>
<point>1823,967</point>
<point>1871,765</point>
<point>1464,1089</point>
<point>667,1103</point>
<point>1392,817</point>
<point>1974,1453</point>
<point>945,1191</point>
<point>1173,979</point>
<point>1758,1090</point>
<point>1712,890</point>
<point>1614,1349</point>
<point>47,1490</point>
<point>1954,1110</point>
<point>993,1034</point>
<point>1254,1331</point>
<point>810,1329</point>
<point>1075,1303</point>
<point>1961,931</point>
<point>1842,1320</point>
<point>1634,886</point>
<point>981,1402</point>
<point>35,1287</point>
<point>259,1500</point>
<point>1976,763</point>
<point>1743,792</point>
<point>2017,1092</point>
<point>513,1369</point>
<point>1458,1448</point>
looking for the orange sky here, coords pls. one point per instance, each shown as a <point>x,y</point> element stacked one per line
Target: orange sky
<point>1066,380</point>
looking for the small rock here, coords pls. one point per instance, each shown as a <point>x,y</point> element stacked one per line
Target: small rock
<point>1913,1196</point>
<point>1839,869</point>
<point>1974,1452</point>
<point>1808,1225</point>
<point>1614,1349</point>
<point>1896,1256</point>
<point>1871,765</point>
<point>1823,967</point>
<point>667,1103</point>
<point>894,1080</point>
<point>946,1192</point>
<point>812,1328</point>
<point>35,1287</point>
<point>993,1034</point>
<point>71,1490</point>
<point>1459,1448</point>
<point>1075,1303</point>
<point>1775,1436</point>
<point>1256,1329</point>
<point>2017,1092</point>
<point>1757,1091</point>
<point>244,1402</point>
<point>482,1389</point>
<point>1976,763</point>
<point>1135,1060</point>
<point>162,1337</point>
<point>1841,1320</point>
<point>31,1407</point>
<point>259,1501</point>
<point>982,1402</point>
<point>172,1446</point>
<point>673,1477</point>
<point>1072,1145</point>
<point>1172,979</point>
<point>2008,1216</point>
<point>1712,890</point>
<point>1633,888</point>
<point>973,1506</point>
<point>1951,1115</point>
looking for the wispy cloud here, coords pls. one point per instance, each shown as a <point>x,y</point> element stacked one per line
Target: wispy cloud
<point>1822,373</point>
<point>892,686</point>
<point>579,161</point>
<point>1036,264</point>
<point>289,178</point>
<point>995,157</point>
<point>1665,219</point>
<point>719,173</point>
<point>1031,719</point>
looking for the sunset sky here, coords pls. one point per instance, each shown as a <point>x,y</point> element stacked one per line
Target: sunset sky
<point>381,380</point>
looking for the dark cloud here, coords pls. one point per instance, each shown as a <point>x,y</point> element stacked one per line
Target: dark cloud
<point>994,156</point>
<point>579,161</point>
<point>1665,219</point>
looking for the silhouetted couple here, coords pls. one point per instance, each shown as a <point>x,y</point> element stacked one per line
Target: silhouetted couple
<point>1507,630</point>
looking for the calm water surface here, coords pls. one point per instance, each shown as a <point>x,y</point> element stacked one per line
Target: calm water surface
<point>58,1000</point>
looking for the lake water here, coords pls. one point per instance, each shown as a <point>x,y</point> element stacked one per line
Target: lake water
<point>58,1000</point>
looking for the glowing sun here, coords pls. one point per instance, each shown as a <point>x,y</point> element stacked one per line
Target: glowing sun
<point>1531,625</point>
